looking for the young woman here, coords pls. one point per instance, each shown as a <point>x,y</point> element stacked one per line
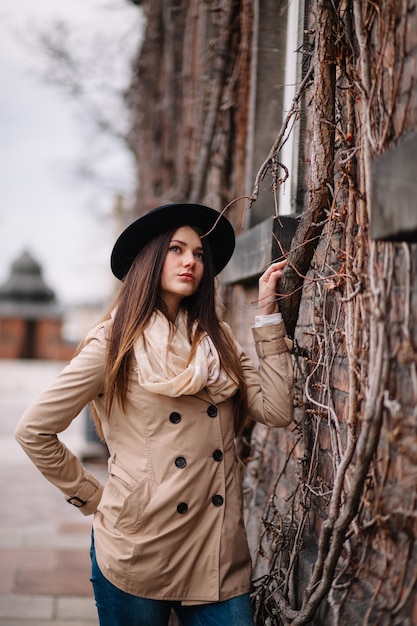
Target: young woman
<point>169,388</point>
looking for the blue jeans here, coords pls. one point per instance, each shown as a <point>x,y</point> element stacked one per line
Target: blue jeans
<point>118,608</point>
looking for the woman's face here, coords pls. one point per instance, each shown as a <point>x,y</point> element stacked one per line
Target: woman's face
<point>183,267</point>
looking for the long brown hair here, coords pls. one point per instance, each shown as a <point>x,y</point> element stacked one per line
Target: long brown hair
<point>139,296</point>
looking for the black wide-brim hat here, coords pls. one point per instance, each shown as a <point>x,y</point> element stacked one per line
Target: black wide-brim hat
<point>221,239</point>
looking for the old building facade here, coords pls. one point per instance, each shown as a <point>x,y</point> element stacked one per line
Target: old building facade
<point>299,117</point>
<point>31,318</point>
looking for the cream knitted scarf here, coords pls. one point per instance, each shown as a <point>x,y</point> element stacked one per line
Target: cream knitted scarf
<point>162,355</point>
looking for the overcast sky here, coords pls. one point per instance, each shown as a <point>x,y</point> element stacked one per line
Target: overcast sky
<point>63,219</point>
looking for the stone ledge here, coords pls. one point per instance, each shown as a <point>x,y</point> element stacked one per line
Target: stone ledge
<point>394,192</point>
<point>257,247</point>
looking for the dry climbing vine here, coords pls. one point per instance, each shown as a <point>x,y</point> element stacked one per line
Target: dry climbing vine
<point>353,424</point>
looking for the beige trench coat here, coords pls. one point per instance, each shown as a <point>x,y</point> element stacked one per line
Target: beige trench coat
<point>168,524</point>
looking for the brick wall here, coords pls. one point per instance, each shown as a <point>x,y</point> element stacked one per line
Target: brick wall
<point>11,337</point>
<point>381,554</point>
<point>37,339</point>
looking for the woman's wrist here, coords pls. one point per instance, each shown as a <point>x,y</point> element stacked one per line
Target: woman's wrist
<point>268,308</point>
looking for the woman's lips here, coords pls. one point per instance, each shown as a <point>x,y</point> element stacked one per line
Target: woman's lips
<point>187,276</point>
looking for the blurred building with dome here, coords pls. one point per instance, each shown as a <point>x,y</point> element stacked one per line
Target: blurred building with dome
<point>31,318</point>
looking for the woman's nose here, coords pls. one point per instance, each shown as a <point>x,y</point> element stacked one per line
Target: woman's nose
<point>189,259</point>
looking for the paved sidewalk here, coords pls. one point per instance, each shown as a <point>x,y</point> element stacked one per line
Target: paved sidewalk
<point>44,542</point>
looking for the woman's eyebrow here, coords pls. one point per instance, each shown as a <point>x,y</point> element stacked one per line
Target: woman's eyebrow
<point>184,243</point>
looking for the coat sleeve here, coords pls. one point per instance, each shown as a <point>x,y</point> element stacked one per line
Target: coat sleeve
<point>37,431</point>
<point>271,389</point>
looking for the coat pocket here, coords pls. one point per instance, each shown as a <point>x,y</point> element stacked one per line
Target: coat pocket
<point>137,495</point>
<point>129,520</point>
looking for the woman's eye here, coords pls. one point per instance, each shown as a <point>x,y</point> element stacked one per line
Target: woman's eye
<point>199,256</point>
<point>174,249</point>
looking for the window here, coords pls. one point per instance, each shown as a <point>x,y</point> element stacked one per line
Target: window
<point>276,71</point>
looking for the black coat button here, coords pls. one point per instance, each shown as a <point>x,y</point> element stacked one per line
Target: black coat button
<point>175,418</point>
<point>217,455</point>
<point>212,411</point>
<point>217,500</point>
<point>182,508</point>
<point>180,462</point>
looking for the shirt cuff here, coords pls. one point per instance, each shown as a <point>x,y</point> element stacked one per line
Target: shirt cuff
<point>267,320</point>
